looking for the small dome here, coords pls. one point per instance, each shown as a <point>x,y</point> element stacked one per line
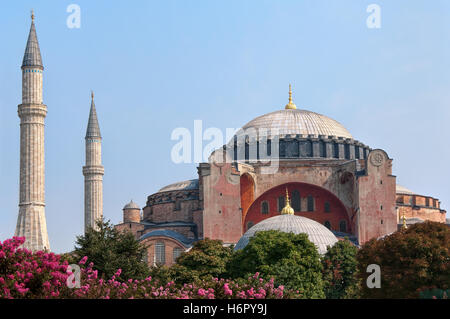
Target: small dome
<point>317,233</point>
<point>294,121</point>
<point>131,205</point>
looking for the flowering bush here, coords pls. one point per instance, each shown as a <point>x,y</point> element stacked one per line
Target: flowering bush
<point>24,274</point>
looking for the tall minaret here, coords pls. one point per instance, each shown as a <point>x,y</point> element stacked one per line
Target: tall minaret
<point>31,222</point>
<point>93,171</point>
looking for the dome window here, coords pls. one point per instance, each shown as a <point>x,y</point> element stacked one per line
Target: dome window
<point>281,203</point>
<point>265,207</point>
<point>296,200</point>
<point>343,226</point>
<point>310,203</point>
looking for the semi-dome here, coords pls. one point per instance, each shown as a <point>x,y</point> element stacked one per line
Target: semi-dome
<point>295,121</point>
<point>317,233</point>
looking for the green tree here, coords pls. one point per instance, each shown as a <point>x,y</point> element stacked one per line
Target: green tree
<point>207,258</point>
<point>339,270</point>
<point>161,274</point>
<point>110,250</point>
<point>292,260</point>
<point>411,260</point>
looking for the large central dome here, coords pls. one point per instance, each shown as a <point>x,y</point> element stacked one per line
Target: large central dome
<point>294,121</point>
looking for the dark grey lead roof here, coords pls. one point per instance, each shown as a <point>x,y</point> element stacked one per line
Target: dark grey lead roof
<point>167,224</point>
<point>93,130</point>
<point>171,234</point>
<point>352,238</point>
<point>184,185</point>
<point>32,56</point>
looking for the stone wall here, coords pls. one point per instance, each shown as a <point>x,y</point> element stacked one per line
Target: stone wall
<point>376,198</point>
<point>222,214</point>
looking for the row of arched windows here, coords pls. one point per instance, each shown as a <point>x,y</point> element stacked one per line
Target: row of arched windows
<point>342,225</point>
<point>295,204</point>
<point>160,253</point>
<point>327,224</point>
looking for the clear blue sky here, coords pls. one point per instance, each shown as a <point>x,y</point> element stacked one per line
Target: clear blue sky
<point>158,65</point>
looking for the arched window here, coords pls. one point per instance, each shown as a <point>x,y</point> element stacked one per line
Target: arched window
<point>327,224</point>
<point>343,226</point>
<point>177,251</point>
<point>310,203</point>
<point>264,207</point>
<point>281,203</point>
<point>327,207</point>
<point>249,225</point>
<point>295,201</point>
<point>160,253</point>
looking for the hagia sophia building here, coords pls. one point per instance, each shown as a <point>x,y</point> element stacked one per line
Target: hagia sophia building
<point>326,183</point>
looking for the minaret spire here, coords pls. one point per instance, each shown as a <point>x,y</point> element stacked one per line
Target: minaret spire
<point>93,129</point>
<point>31,222</point>
<point>32,56</point>
<point>290,105</point>
<point>93,171</point>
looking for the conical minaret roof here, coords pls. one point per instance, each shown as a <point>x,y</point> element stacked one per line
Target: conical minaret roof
<point>93,130</point>
<point>32,56</point>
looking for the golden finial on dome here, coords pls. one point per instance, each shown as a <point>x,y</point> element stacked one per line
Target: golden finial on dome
<point>287,209</point>
<point>32,15</point>
<point>404,226</point>
<point>290,105</point>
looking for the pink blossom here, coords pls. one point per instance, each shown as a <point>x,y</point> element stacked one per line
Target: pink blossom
<point>201,292</point>
<point>83,260</point>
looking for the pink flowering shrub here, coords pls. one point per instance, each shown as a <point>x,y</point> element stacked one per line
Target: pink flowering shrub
<point>24,274</point>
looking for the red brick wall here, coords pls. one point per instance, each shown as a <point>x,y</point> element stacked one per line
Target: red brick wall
<point>135,228</point>
<point>425,213</point>
<point>166,212</point>
<point>337,210</point>
<point>131,215</point>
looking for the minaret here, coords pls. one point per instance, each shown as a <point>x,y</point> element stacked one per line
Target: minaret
<point>93,172</point>
<point>31,222</point>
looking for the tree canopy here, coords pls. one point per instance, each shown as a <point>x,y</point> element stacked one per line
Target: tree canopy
<point>339,270</point>
<point>291,259</point>
<point>410,261</point>
<point>110,249</point>
<point>207,258</point>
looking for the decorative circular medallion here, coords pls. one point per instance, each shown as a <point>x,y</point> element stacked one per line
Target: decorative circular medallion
<point>377,158</point>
